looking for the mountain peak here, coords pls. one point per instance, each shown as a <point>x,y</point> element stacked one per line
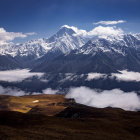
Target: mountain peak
<point>63,31</point>
<point>66,29</point>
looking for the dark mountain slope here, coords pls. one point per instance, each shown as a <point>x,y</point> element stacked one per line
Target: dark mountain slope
<point>97,55</point>
<point>8,62</point>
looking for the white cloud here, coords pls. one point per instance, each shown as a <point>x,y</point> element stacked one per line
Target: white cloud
<point>31,33</point>
<point>105,32</point>
<point>21,74</point>
<point>124,75</point>
<point>17,75</point>
<point>17,92</point>
<point>49,91</point>
<point>99,31</point>
<point>110,22</point>
<point>76,30</point>
<point>12,91</point>
<point>91,76</point>
<point>107,98</point>
<point>127,76</point>
<point>9,36</point>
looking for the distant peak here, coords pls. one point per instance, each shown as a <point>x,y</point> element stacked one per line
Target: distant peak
<point>66,29</point>
<point>65,26</point>
<point>75,29</point>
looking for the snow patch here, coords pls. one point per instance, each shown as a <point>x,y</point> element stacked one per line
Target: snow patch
<point>35,101</point>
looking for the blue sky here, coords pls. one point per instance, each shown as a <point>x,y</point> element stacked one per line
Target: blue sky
<point>45,17</point>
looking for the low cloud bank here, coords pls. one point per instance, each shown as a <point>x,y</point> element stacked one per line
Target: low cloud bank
<point>49,91</point>
<point>18,92</point>
<point>12,91</point>
<point>124,75</point>
<point>91,76</point>
<point>107,98</point>
<point>84,95</point>
<point>127,76</point>
<point>17,75</point>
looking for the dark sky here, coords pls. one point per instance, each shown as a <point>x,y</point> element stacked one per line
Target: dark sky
<point>45,17</point>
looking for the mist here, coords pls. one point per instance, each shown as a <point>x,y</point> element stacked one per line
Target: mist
<point>91,76</point>
<point>17,92</point>
<point>49,91</point>
<point>127,76</point>
<point>12,91</point>
<point>17,75</point>
<point>124,75</point>
<point>90,97</point>
<point>107,98</point>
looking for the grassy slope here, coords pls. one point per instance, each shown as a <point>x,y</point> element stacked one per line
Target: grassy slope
<point>73,121</point>
<point>26,103</point>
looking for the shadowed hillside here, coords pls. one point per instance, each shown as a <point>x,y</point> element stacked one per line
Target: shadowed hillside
<point>44,117</point>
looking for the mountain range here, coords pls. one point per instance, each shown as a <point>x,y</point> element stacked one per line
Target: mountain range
<point>68,52</point>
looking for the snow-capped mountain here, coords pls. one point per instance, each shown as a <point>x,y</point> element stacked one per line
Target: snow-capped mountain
<point>72,50</point>
<point>36,47</point>
<point>98,55</point>
<point>118,45</point>
<point>66,40</point>
<point>63,41</point>
<point>60,43</point>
